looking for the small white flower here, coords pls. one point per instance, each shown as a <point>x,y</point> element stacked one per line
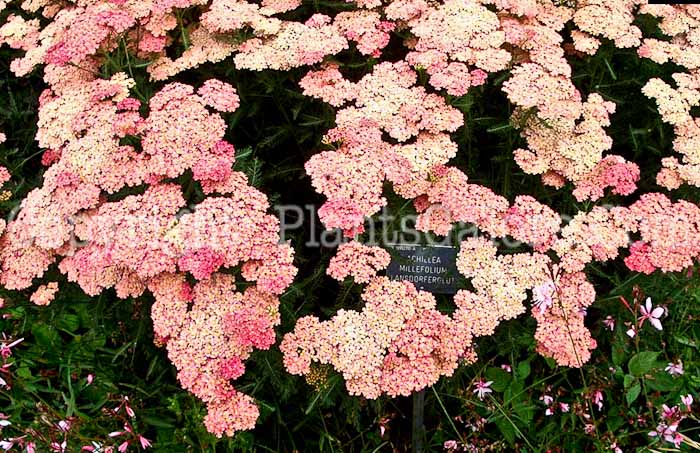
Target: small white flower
<point>652,314</point>
<point>543,295</point>
<point>598,399</point>
<point>675,369</point>
<point>687,400</point>
<point>609,322</point>
<point>483,388</point>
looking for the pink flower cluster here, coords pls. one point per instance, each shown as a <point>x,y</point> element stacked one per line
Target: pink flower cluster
<point>596,235</point>
<point>611,20</point>
<point>674,107</point>
<point>397,344</point>
<point>680,24</point>
<point>388,128</point>
<point>45,294</point>
<point>209,330</point>
<point>458,42</point>
<point>384,101</point>
<point>668,233</point>
<point>561,333</point>
<point>448,197</point>
<point>150,240</point>
<point>359,261</point>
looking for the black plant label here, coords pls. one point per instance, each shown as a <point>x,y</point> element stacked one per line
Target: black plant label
<point>429,267</point>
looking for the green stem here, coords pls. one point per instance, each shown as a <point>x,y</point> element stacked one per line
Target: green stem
<point>449,419</point>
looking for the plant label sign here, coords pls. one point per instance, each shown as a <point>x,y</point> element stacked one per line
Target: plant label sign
<point>431,268</point>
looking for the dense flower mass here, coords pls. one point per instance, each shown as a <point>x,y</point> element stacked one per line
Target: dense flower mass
<point>123,166</point>
<point>385,101</point>
<point>209,331</point>
<point>674,107</point>
<point>151,238</point>
<point>561,333</point>
<point>359,261</point>
<point>395,345</point>
<point>399,342</point>
<point>669,234</point>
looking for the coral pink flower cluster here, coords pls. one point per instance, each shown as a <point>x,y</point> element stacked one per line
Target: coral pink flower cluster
<point>98,140</point>
<point>674,107</point>
<point>680,24</point>
<point>561,333</point>
<point>151,239</point>
<point>359,261</point>
<point>368,347</point>
<point>566,140</point>
<point>399,342</point>
<point>5,176</point>
<point>384,101</point>
<point>45,294</point>
<point>209,330</point>
<point>457,42</point>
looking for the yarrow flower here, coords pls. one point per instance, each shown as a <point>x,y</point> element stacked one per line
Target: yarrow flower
<point>97,139</point>
<point>45,294</point>
<point>359,261</point>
